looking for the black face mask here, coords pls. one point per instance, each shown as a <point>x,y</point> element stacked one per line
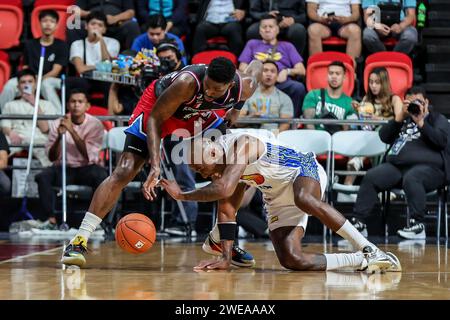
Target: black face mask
<point>167,66</point>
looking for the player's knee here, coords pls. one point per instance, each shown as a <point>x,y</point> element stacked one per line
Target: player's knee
<point>305,201</point>
<point>296,263</point>
<point>122,175</point>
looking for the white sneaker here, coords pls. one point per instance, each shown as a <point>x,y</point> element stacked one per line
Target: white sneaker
<point>415,230</point>
<point>377,260</point>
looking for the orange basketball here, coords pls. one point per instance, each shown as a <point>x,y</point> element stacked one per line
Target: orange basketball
<point>135,233</point>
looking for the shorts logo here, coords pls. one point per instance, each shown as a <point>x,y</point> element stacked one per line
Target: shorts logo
<point>139,244</point>
<point>273,219</point>
<point>256,178</point>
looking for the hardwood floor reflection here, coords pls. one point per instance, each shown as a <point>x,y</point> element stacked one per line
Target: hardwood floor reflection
<point>166,272</point>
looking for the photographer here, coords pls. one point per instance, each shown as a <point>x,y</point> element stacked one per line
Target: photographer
<point>123,98</point>
<point>417,162</point>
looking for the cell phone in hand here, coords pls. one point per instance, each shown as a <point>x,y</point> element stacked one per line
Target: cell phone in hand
<point>331,14</point>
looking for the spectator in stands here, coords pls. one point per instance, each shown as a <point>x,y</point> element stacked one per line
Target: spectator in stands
<point>417,162</point>
<point>156,34</point>
<point>56,54</point>
<point>334,18</point>
<point>18,132</point>
<point>219,18</point>
<point>86,53</point>
<point>378,104</point>
<point>175,11</point>
<point>121,24</point>
<point>337,103</point>
<point>268,101</point>
<point>84,138</point>
<point>5,181</point>
<point>402,30</point>
<point>290,14</point>
<point>290,63</point>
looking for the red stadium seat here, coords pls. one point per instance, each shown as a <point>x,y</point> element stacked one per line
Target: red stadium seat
<point>334,41</point>
<point>317,70</point>
<point>5,69</point>
<point>61,28</point>
<point>14,3</point>
<point>39,3</point>
<point>399,67</point>
<point>217,40</point>
<point>206,56</point>
<point>11,24</point>
<point>99,111</point>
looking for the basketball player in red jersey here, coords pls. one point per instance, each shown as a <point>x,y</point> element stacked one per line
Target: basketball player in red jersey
<point>180,100</point>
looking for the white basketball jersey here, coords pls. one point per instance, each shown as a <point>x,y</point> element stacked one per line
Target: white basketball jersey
<point>275,171</point>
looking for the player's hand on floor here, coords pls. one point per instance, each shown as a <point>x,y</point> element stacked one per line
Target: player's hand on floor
<point>213,264</point>
<point>172,188</point>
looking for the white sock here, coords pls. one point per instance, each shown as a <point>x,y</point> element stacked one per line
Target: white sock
<point>215,234</point>
<point>88,225</point>
<point>349,232</point>
<point>344,260</point>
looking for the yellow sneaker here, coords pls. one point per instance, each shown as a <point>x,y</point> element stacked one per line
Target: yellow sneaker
<point>74,252</point>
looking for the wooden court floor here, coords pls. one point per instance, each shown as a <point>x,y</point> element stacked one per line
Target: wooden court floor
<point>166,272</point>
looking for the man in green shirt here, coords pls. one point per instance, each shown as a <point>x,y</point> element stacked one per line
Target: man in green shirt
<point>336,101</point>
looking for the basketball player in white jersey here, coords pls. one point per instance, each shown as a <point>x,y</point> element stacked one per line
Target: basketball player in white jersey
<point>292,184</point>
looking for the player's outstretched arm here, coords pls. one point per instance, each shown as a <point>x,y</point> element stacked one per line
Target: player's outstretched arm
<point>180,91</point>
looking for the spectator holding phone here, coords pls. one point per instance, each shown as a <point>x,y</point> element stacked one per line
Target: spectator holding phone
<point>403,29</point>
<point>18,132</point>
<point>334,18</point>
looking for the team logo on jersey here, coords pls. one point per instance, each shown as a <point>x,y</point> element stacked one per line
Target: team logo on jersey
<point>255,178</point>
<point>273,219</point>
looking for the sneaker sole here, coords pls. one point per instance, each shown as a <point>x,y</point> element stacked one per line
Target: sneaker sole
<point>74,261</point>
<point>207,248</point>
<point>398,266</point>
<point>403,235</point>
<point>380,266</point>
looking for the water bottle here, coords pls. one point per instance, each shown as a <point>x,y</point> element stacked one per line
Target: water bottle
<point>421,15</point>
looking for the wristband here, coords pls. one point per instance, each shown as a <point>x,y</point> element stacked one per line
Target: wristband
<point>227,230</point>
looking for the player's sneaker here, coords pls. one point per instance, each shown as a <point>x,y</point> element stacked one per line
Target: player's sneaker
<point>377,260</point>
<point>74,252</point>
<point>240,257</point>
<point>395,263</point>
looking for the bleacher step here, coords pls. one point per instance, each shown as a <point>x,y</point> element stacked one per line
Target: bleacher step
<point>439,95</point>
<point>438,53</point>
<point>437,72</point>
<point>439,19</point>
<point>439,5</point>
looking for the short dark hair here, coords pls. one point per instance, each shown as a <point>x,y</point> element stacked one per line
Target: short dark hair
<point>97,15</point>
<point>221,70</point>
<point>272,62</point>
<point>26,72</point>
<point>77,91</point>
<point>155,21</point>
<point>49,13</point>
<point>337,64</point>
<point>416,90</point>
<point>164,46</point>
<point>269,17</point>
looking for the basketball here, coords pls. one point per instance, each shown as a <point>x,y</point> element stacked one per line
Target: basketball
<point>135,233</point>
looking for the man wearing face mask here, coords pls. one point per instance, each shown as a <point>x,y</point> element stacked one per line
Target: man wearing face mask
<point>18,132</point>
<point>417,162</point>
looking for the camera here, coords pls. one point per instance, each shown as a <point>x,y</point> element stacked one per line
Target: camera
<point>414,107</point>
<point>28,89</point>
